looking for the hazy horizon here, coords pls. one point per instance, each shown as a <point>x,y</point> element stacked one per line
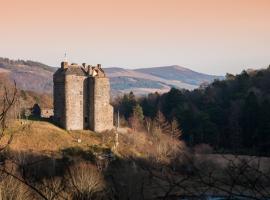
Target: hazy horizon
<point>209,36</point>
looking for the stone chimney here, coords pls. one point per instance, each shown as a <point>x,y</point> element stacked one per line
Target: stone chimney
<point>89,70</point>
<point>64,65</point>
<point>99,66</point>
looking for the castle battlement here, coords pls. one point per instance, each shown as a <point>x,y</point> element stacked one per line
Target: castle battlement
<point>82,97</point>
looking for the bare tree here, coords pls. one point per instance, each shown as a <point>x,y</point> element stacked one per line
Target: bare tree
<point>148,124</point>
<point>7,101</point>
<point>175,130</point>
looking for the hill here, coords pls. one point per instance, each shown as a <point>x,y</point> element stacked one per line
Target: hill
<point>29,75</point>
<point>42,137</point>
<point>45,162</point>
<point>35,76</point>
<point>180,74</point>
<point>147,80</point>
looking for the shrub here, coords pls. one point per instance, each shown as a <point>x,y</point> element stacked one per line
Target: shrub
<point>203,149</point>
<point>86,181</point>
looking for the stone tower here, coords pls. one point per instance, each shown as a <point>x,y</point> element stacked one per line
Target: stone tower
<point>82,98</point>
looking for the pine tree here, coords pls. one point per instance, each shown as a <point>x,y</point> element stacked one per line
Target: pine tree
<point>136,120</point>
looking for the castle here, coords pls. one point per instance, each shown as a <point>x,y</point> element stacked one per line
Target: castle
<point>82,98</point>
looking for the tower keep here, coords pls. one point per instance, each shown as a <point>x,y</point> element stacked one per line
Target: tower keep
<point>82,98</point>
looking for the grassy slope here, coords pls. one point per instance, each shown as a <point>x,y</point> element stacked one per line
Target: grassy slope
<point>46,138</point>
<point>41,136</point>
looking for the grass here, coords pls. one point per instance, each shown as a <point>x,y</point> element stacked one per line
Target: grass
<point>42,137</point>
<point>46,138</point>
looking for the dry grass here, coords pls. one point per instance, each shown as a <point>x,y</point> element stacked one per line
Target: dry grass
<point>143,145</point>
<point>10,188</point>
<point>39,136</point>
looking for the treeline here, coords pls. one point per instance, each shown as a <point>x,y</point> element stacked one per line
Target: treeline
<point>231,115</point>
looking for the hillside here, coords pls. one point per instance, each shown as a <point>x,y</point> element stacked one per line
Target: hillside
<point>125,80</point>
<point>26,98</point>
<point>180,74</point>
<point>35,76</point>
<point>42,136</point>
<point>232,115</point>
<point>45,161</point>
<point>29,75</point>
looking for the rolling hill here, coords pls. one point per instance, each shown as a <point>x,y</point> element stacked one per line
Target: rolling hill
<point>29,75</point>
<point>35,76</point>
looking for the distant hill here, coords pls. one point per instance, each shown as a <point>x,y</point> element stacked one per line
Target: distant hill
<point>179,73</point>
<point>35,76</point>
<point>159,79</point>
<point>29,75</point>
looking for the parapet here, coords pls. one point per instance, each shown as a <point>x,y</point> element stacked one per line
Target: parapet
<point>83,70</point>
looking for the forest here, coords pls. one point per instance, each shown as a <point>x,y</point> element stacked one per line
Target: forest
<point>230,115</point>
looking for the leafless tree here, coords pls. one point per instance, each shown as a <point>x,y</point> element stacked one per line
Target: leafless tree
<point>175,130</point>
<point>7,101</point>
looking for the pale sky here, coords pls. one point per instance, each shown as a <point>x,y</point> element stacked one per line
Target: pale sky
<point>210,36</point>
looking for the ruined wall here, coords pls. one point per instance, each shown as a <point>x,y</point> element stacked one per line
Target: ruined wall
<point>101,111</point>
<point>74,101</point>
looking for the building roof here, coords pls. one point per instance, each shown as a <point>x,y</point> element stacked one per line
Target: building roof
<point>75,70</point>
<point>80,70</point>
<point>71,70</point>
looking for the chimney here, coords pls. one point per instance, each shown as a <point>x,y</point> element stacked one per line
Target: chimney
<point>99,66</point>
<point>89,71</point>
<point>64,65</point>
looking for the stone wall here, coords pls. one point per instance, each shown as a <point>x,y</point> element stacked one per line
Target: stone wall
<point>103,111</point>
<point>74,89</point>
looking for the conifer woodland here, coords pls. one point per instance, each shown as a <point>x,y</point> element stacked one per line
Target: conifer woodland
<point>231,115</point>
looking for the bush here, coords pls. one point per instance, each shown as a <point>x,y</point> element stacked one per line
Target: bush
<point>86,181</point>
<point>203,149</point>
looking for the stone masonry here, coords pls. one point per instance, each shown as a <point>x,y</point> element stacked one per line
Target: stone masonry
<point>82,98</point>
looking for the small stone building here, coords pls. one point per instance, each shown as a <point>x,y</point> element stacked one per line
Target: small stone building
<point>82,98</point>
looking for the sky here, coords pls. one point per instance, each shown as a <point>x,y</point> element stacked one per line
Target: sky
<point>210,36</point>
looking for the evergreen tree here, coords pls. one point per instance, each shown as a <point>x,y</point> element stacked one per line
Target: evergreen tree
<point>136,120</point>
<point>127,104</point>
<point>250,120</point>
